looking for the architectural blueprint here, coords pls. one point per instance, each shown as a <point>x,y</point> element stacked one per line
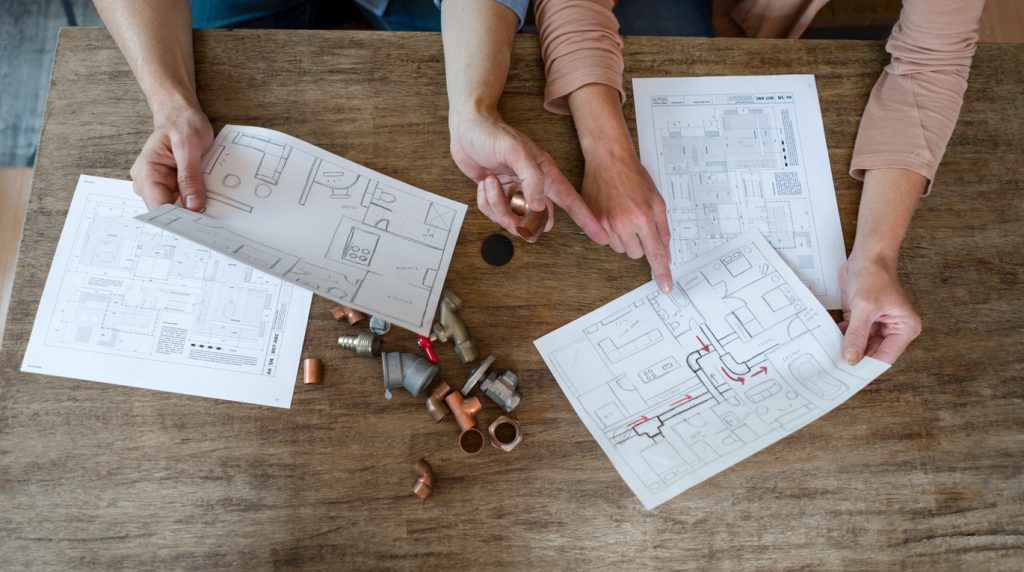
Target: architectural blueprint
<point>332,226</point>
<point>128,304</point>
<point>677,387</point>
<point>731,154</point>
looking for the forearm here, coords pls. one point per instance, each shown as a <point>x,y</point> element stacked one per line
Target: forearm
<point>599,122</point>
<point>156,40</point>
<point>477,40</point>
<point>886,206</point>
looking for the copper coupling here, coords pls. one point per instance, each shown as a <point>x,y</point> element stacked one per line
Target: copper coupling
<point>531,223</point>
<point>505,433</point>
<point>465,411</point>
<point>424,484</point>
<point>312,371</point>
<point>349,314</point>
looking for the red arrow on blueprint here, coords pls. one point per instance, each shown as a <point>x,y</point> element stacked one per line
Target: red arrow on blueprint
<point>740,379</point>
<point>703,346</point>
<point>764,369</point>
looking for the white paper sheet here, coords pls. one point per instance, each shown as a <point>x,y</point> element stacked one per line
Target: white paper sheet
<point>677,387</point>
<point>731,154</point>
<point>323,222</point>
<point>128,304</point>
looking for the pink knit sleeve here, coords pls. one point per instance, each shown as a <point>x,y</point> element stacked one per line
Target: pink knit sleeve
<point>915,104</point>
<point>580,44</point>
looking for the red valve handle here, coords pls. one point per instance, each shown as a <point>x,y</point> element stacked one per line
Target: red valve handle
<point>428,347</point>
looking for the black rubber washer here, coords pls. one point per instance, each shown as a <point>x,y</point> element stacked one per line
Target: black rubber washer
<point>497,250</point>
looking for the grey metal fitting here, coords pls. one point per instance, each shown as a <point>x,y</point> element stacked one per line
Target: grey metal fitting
<point>365,343</point>
<point>501,388</point>
<point>477,375</point>
<point>450,327</point>
<point>379,326</point>
<point>407,370</point>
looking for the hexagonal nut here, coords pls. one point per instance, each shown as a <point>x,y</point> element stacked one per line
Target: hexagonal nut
<point>505,433</point>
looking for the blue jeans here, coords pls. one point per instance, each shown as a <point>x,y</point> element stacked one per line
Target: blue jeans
<point>636,17</point>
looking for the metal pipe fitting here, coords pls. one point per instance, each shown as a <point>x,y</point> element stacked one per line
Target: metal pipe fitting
<point>450,327</point>
<point>365,343</point>
<point>505,433</point>
<point>531,223</point>
<point>406,370</point>
<point>471,440</point>
<point>424,484</point>
<point>312,371</point>
<point>379,326</point>
<point>435,402</point>
<point>501,388</point>
<point>463,410</point>
<point>477,375</point>
<point>351,315</point>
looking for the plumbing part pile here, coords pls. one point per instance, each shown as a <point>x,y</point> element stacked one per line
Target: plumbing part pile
<point>417,375</point>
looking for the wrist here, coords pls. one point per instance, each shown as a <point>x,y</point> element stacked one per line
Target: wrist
<point>599,123</point>
<point>171,105</point>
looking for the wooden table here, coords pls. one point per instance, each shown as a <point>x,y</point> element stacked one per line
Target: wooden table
<point>924,467</point>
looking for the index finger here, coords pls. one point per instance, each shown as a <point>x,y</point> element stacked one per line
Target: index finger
<point>562,194</point>
<point>658,257</point>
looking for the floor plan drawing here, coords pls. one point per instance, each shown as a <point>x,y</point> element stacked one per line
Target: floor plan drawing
<point>677,387</point>
<point>732,154</point>
<point>129,304</point>
<point>325,223</point>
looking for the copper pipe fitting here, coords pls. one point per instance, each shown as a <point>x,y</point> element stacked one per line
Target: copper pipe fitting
<point>450,327</point>
<point>505,433</point>
<point>531,223</point>
<point>312,371</point>
<point>353,316</point>
<point>424,479</point>
<point>463,410</point>
<point>471,441</point>
<point>435,402</point>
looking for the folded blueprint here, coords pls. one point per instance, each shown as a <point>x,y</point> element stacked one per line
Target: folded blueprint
<point>322,222</point>
<point>677,387</point>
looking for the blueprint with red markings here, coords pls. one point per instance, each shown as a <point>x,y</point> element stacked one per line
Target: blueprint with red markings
<point>677,387</point>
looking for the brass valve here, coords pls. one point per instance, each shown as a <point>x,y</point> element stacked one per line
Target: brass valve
<point>450,327</point>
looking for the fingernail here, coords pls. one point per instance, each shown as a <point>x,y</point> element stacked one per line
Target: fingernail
<point>851,356</point>
<point>666,287</point>
<point>191,202</point>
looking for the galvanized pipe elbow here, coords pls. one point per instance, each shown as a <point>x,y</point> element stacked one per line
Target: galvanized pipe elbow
<point>407,370</point>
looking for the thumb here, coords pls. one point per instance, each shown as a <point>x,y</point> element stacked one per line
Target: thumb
<point>858,329</point>
<point>190,178</point>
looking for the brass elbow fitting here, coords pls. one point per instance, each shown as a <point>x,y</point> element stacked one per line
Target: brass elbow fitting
<point>450,327</point>
<point>424,479</point>
<point>531,223</point>
<point>435,402</point>
<point>465,411</point>
<point>351,315</point>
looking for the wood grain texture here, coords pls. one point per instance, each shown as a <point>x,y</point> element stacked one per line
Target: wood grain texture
<point>923,469</point>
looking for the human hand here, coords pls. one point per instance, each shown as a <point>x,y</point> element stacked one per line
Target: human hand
<point>625,201</point>
<point>170,164</point>
<point>878,318</point>
<point>503,160</point>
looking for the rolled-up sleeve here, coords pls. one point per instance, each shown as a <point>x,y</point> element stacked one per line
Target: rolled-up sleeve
<point>518,6</point>
<point>580,44</point>
<point>916,102</point>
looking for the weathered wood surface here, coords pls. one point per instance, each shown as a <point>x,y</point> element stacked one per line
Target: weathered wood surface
<point>923,468</point>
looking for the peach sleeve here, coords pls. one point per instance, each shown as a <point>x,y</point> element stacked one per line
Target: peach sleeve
<point>580,44</point>
<point>915,104</point>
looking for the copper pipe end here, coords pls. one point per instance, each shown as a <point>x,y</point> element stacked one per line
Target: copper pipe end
<point>471,441</point>
<point>353,316</point>
<point>435,402</point>
<point>424,479</point>
<point>312,371</point>
<point>463,410</point>
<point>505,433</point>
<point>531,223</point>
